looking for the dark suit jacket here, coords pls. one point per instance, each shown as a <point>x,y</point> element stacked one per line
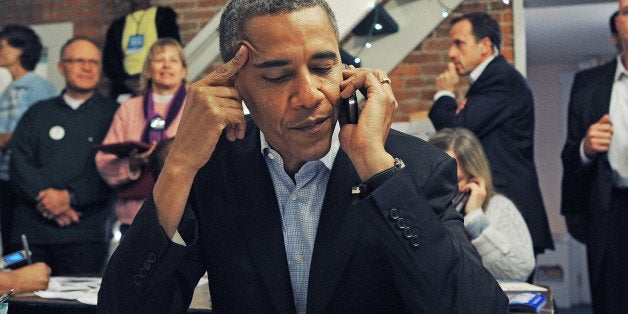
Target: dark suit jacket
<point>361,261</point>
<point>500,112</point>
<point>586,77</point>
<point>586,189</point>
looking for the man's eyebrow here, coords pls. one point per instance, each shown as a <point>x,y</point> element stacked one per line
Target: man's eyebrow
<point>272,64</point>
<point>282,62</point>
<point>324,55</point>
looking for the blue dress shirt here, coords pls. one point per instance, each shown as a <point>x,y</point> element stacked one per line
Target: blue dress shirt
<point>300,202</point>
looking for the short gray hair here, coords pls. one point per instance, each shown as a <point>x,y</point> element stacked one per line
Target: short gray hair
<point>238,12</point>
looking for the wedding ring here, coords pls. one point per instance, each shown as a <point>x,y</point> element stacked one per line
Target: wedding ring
<point>385,80</point>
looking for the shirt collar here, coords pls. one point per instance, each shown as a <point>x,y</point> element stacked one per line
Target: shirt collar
<point>620,69</point>
<point>475,74</point>
<point>327,160</point>
<point>26,80</point>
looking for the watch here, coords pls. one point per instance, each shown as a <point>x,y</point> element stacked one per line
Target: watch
<point>379,178</point>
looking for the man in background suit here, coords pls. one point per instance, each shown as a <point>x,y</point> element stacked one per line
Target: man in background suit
<point>595,177</point>
<point>499,109</point>
<point>575,195</point>
<point>271,215</point>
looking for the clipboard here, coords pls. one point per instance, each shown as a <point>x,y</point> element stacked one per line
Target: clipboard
<point>123,149</point>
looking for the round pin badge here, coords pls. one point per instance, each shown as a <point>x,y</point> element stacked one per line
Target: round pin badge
<point>157,123</point>
<point>56,132</point>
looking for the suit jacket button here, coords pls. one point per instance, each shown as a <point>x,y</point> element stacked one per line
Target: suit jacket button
<point>394,214</point>
<point>401,223</point>
<point>142,272</point>
<point>152,257</point>
<point>137,280</point>
<point>414,240</point>
<point>407,232</point>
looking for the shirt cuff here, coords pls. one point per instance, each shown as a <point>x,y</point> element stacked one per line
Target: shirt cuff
<point>176,238</point>
<point>475,222</point>
<point>442,93</point>
<point>583,157</point>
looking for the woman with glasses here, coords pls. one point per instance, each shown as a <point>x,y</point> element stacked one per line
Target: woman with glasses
<point>150,118</point>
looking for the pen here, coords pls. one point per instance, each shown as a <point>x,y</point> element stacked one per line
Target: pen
<point>26,249</point>
<point>5,296</point>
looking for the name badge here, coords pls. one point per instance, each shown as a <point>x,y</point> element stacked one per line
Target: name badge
<point>136,42</point>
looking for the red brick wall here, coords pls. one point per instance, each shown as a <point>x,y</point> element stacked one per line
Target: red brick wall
<point>413,78</point>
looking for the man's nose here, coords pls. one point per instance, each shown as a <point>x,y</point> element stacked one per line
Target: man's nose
<point>451,53</point>
<point>307,93</point>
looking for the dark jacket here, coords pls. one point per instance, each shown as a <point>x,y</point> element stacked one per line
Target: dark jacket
<point>361,262</point>
<point>53,147</point>
<point>586,190</point>
<point>500,112</point>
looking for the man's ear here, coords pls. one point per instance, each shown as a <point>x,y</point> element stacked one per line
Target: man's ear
<point>487,46</point>
<point>60,68</point>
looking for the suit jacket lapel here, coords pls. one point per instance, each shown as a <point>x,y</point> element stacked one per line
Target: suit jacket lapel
<point>602,96</point>
<point>487,73</point>
<point>259,217</point>
<point>336,235</point>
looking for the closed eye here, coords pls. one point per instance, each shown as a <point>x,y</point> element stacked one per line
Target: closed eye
<point>321,70</point>
<point>277,80</point>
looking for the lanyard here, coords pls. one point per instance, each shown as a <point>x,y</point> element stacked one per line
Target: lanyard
<point>155,130</point>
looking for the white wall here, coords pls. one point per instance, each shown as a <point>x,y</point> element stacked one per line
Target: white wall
<point>550,85</point>
<point>53,36</point>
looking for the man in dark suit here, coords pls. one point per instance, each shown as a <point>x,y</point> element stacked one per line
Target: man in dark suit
<point>266,205</point>
<point>499,109</point>
<point>575,195</point>
<point>595,177</point>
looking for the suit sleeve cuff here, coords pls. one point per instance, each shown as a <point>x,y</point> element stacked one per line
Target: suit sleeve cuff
<point>583,157</point>
<point>176,238</point>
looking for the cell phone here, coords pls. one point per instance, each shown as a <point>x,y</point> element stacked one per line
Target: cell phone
<point>460,200</point>
<point>13,258</point>
<point>349,110</point>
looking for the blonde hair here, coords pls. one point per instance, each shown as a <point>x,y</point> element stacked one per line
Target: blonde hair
<point>159,46</point>
<point>469,155</point>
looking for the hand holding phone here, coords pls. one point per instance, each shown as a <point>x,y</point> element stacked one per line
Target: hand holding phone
<point>349,110</point>
<point>460,201</point>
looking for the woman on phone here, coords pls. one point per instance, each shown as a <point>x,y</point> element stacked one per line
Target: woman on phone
<point>493,223</point>
<point>149,119</point>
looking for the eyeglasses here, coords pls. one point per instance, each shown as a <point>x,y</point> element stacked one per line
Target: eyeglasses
<point>80,61</point>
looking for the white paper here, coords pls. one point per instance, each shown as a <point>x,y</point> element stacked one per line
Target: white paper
<point>82,289</point>
<point>519,286</point>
